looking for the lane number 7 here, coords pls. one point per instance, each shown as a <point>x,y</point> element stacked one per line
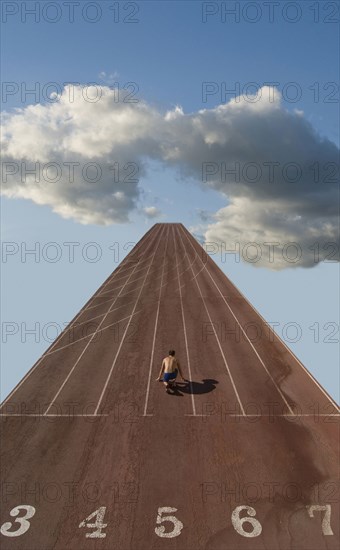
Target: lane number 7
<point>326,520</point>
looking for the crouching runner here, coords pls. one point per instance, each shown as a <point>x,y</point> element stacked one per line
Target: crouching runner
<point>170,368</point>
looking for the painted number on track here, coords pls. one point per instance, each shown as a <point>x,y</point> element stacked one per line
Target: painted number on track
<point>238,522</point>
<point>98,524</point>
<point>326,520</point>
<point>240,517</point>
<point>23,522</point>
<point>177,525</point>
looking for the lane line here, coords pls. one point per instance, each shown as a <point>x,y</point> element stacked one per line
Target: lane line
<point>193,278</point>
<point>155,330</point>
<point>130,267</point>
<point>54,415</point>
<point>18,415</point>
<point>184,328</point>
<point>159,276</point>
<point>111,277</point>
<point>126,293</point>
<point>155,279</point>
<point>126,329</point>
<point>246,336</point>
<point>178,263</point>
<point>96,317</point>
<point>130,283</point>
<point>37,363</point>
<point>87,345</point>
<point>47,353</point>
<point>285,415</point>
<point>110,298</point>
<point>181,272</point>
<point>101,303</point>
<point>218,341</point>
<point>266,324</point>
<point>124,276</point>
<point>88,335</point>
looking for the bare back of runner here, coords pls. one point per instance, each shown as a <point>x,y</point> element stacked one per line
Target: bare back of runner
<point>170,367</point>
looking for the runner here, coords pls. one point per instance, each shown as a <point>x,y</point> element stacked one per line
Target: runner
<point>171,368</point>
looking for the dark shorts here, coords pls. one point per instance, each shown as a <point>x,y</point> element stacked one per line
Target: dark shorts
<point>167,376</point>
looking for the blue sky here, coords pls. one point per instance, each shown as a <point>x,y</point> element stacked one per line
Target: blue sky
<point>169,53</point>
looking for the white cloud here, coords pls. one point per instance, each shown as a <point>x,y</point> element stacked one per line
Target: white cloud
<point>151,212</point>
<point>254,137</point>
<point>272,235</point>
<point>97,148</point>
<point>109,78</point>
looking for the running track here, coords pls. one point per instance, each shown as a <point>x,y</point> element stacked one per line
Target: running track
<point>88,429</point>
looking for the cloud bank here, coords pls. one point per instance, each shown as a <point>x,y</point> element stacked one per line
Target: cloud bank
<point>85,159</point>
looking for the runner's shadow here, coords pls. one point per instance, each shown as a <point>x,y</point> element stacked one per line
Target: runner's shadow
<point>191,387</point>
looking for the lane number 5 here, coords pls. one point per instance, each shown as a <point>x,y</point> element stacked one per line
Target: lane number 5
<point>177,525</point>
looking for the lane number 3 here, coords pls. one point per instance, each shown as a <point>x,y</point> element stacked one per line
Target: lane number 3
<point>23,522</point>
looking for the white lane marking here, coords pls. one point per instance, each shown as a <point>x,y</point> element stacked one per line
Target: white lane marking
<point>109,280</point>
<point>101,303</point>
<point>87,345</point>
<point>53,415</point>
<point>130,267</point>
<point>218,341</point>
<point>266,324</point>
<point>116,288</point>
<point>193,278</point>
<point>184,328</point>
<point>126,329</point>
<point>155,329</point>
<point>174,267</point>
<point>126,293</point>
<point>134,289</point>
<point>47,353</point>
<point>286,415</point>
<point>33,368</point>
<point>311,414</point>
<point>97,317</point>
<point>245,335</point>
<point>181,272</point>
<point>178,263</point>
<point>88,335</point>
<point>154,279</point>
<point>130,283</point>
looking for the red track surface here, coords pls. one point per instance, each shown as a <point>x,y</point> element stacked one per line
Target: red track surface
<point>89,427</point>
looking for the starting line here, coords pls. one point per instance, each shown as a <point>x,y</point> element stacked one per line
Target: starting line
<point>191,415</point>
